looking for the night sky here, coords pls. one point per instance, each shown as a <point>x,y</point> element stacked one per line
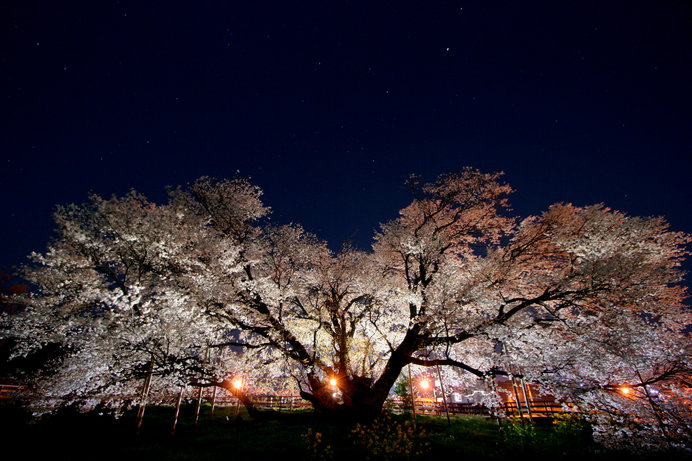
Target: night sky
<point>329,106</point>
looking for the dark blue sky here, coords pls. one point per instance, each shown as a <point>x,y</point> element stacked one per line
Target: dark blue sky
<point>329,106</point>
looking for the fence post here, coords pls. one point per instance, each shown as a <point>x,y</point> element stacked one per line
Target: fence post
<point>413,400</point>
<point>444,398</point>
<point>177,409</point>
<point>516,396</point>
<point>145,395</point>
<point>526,398</point>
<point>213,401</point>
<point>199,393</point>
<point>494,389</point>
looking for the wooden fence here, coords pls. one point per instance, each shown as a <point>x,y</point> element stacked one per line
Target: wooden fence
<point>539,408</point>
<point>431,407</point>
<point>10,391</point>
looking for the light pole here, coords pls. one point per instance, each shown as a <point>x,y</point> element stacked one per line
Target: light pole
<point>239,385</point>
<point>425,384</point>
<point>177,408</point>
<point>335,390</point>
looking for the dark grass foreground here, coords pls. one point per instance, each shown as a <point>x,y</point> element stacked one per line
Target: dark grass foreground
<point>222,437</point>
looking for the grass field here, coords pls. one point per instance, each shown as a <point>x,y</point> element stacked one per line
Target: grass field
<point>222,437</point>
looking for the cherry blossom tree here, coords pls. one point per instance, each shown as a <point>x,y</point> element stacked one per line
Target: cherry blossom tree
<point>629,374</point>
<point>103,303</point>
<point>454,281</point>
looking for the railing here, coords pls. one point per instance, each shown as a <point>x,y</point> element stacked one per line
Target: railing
<point>539,408</point>
<point>274,402</point>
<point>9,391</point>
<point>280,402</point>
<point>431,407</point>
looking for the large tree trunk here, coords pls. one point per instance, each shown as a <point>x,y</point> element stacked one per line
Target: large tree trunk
<point>363,399</point>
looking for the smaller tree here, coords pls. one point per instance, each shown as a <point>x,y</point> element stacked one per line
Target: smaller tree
<point>102,305</point>
<point>402,389</point>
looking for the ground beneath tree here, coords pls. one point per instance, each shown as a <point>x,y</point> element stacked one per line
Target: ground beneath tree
<point>223,437</point>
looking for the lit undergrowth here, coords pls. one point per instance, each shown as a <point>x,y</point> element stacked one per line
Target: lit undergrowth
<point>519,433</point>
<point>389,439</point>
<point>317,447</point>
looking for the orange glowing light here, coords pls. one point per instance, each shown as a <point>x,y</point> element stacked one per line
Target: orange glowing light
<point>625,390</point>
<point>332,381</point>
<point>424,383</point>
<point>238,383</point>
